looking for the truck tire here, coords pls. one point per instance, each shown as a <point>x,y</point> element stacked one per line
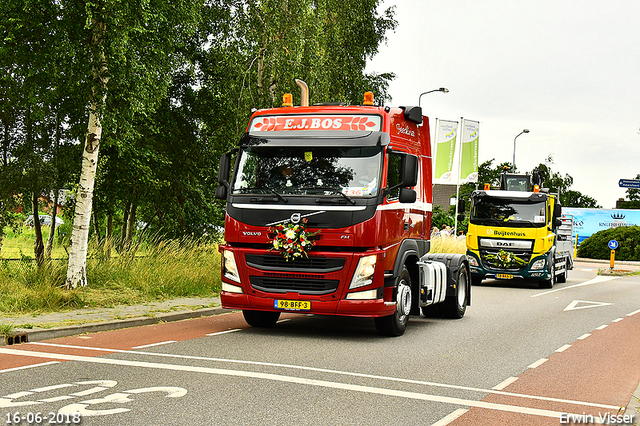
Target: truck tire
<point>261,319</point>
<point>552,277</point>
<point>394,325</point>
<point>455,306</point>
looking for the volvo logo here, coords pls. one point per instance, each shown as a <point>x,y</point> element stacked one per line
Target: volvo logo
<point>296,218</point>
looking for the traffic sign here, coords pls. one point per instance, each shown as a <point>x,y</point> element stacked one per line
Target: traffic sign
<point>629,183</point>
<point>613,244</point>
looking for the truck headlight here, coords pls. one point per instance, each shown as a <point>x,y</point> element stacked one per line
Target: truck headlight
<point>539,264</point>
<point>363,295</point>
<point>229,268</point>
<point>473,261</point>
<point>364,272</point>
<point>230,288</point>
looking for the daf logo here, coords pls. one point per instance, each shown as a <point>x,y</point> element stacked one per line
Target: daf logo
<point>295,218</point>
<point>501,244</point>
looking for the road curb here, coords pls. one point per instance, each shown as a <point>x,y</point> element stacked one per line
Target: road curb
<point>35,335</point>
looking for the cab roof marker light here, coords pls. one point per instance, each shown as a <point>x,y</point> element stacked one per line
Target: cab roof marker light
<point>487,186</point>
<point>287,100</point>
<point>368,99</point>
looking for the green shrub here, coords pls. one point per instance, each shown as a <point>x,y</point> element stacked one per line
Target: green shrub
<point>597,245</point>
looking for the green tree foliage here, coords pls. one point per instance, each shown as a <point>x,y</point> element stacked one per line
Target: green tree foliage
<point>487,173</point>
<point>182,77</point>
<point>596,246</point>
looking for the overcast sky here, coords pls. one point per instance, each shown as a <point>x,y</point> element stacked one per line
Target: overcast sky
<point>567,70</point>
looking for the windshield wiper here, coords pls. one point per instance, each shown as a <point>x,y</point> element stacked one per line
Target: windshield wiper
<point>273,191</point>
<point>334,190</point>
<point>280,197</point>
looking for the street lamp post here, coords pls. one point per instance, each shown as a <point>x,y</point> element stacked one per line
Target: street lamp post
<point>442,89</point>
<point>514,148</point>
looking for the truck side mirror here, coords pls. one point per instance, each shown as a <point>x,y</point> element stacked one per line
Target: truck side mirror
<point>557,210</point>
<point>409,170</point>
<point>223,176</point>
<point>407,195</point>
<point>461,205</point>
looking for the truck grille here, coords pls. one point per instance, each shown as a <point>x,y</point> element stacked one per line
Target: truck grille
<point>310,265</point>
<point>297,285</point>
<point>491,265</point>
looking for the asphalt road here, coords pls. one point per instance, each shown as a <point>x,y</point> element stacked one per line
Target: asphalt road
<point>521,355</point>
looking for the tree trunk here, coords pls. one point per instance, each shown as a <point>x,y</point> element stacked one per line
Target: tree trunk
<point>132,224</point>
<point>77,268</point>
<point>52,233</point>
<point>56,195</point>
<point>108,237</point>
<point>38,244</point>
<point>123,232</point>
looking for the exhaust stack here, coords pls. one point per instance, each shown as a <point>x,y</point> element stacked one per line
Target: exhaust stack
<point>304,92</point>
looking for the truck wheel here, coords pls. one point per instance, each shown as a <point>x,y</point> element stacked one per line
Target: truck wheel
<point>552,279</point>
<point>261,319</point>
<point>455,306</point>
<point>395,324</point>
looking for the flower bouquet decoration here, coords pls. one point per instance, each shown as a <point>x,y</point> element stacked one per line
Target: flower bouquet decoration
<point>505,259</point>
<point>292,240</point>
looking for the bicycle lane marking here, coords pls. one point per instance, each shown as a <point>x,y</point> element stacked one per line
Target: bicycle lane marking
<point>602,367</point>
<point>299,380</point>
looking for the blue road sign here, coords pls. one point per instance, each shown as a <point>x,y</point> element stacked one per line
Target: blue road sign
<point>613,244</point>
<point>629,183</point>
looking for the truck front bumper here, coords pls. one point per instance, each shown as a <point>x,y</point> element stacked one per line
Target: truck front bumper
<point>352,308</point>
<point>537,269</point>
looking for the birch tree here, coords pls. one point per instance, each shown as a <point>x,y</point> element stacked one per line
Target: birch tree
<point>132,47</point>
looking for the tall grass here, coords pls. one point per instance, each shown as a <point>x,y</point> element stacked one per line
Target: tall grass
<point>169,269</point>
<point>448,244</point>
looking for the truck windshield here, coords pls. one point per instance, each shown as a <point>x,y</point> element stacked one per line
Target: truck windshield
<point>331,171</point>
<point>508,212</point>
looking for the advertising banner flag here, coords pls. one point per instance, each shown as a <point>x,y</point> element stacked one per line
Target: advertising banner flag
<point>446,136</point>
<point>469,151</point>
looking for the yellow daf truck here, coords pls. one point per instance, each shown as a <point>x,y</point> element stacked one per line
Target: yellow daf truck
<point>518,232</point>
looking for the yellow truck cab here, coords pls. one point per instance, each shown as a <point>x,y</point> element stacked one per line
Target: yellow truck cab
<point>518,232</point>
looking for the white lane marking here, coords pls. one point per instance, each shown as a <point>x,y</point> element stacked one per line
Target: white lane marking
<point>584,336</point>
<point>56,398</point>
<point>538,363</point>
<point>617,320</point>
<point>563,348</point>
<point>224,332</point>
<point>154,344</point>
<point>505,383</point>
<point>573,306</point>
<point>596,280</point>
<point>30,366</point>
<point>54,387</point>
<point>291,379</point>
<point>451,417</point>
<point>634,312</point>
<point>602,327</point>
<point>337,372</point>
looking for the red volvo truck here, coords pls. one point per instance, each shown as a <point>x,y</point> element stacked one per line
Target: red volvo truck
<point>328,212</point>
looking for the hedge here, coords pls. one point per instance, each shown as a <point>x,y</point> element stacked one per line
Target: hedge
<point>597,245</point>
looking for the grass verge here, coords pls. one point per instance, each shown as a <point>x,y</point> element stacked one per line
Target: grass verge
<point>171,269</point>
